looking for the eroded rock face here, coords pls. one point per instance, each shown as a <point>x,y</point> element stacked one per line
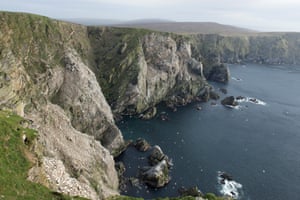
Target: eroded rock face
<point>72,163</point>
<point>80,95</point>
<point>160,67</point>
<point>171,72</point>
<point>219,73</point>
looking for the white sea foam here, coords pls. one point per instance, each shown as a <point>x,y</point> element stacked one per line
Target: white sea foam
<point>237,107</point>
<point>236,79</point>
<point>229,188</point>
<point>251,100</point>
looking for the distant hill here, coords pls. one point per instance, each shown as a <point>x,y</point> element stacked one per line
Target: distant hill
<point>112,22</point>
<point>190,27</point>
<point>93,22</point>
<point>164,25</point>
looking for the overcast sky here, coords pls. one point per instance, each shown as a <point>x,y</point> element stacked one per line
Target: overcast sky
<point>265,15</point>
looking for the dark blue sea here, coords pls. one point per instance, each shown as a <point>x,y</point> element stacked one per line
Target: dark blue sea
<point>257,143</point>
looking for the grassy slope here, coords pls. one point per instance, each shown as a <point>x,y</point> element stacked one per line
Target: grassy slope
<point>14,165</point>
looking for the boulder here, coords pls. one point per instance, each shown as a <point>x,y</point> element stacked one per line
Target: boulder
<point>213,95</point>
<point>253,100</point>
<point>198,107</point>
<point>226,176</point>
<point>229,101</point>
<point>142,145</point>
<point>223,90</point>
<point>156,176</point>
<point>156,156</point>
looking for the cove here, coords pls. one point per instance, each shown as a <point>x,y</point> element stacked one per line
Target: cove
<point>258,144</point>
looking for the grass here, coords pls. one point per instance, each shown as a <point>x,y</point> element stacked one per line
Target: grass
<point>14,165</point>
<point>208,196</point>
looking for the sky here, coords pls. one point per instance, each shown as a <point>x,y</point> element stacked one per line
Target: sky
<point>262,15</point>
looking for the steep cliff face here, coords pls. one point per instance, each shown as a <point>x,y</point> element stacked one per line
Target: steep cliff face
<point>144,68</point>
<point>37,58</point>
<point>81,97</point>
<point>70,162</point>
<point>263,48</point>
<point>51,73</point>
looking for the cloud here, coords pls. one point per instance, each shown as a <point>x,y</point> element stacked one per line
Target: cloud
<point>247,13</point>
<point>138,3</point>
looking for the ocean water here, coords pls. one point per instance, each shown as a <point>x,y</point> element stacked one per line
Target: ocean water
<point>257,143</point>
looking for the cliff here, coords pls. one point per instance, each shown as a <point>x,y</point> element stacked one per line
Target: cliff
<point>261,48</point>
<point>70,81</point>
<point>45,78</point>
<point>139,69</point>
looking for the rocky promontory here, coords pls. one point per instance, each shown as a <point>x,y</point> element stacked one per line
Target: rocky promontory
<point>73,81</point>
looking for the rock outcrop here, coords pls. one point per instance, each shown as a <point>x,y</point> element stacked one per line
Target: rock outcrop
<point>142,145</point>
<point>157,155</point>
<point>261,48</point>
<point>156,176</point>
<point>54,73</point>
<point>229,101</point>
<point>81,97</point>
<point>159,67</point>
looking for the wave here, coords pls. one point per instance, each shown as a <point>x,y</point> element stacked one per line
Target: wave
<point>236,79</point>
<point>229,187</point>
<point>237,107</point>
<point>250,100</point>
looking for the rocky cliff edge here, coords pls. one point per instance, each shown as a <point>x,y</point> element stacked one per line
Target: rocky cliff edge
<point>45,77</point>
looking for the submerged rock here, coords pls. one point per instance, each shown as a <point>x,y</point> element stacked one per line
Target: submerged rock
<point>229,188</point>
<point>253,100</point>
<point>224,176</point>
<point>198,107</point>
<point>142,145</point>
<point>213,95</point>
<point>156,176</point>
<point>229,101</point>
<point>223,90</point>
<point>213,103</point>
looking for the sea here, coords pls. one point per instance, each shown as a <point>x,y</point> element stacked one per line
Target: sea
<point>257,142</point>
